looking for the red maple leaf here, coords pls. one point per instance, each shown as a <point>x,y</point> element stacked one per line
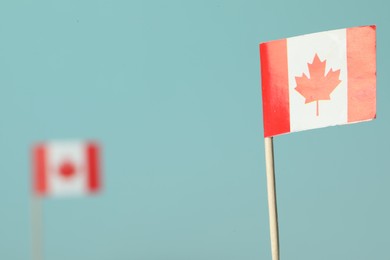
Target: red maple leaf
<point>317,86</point>
<point>67,169</point>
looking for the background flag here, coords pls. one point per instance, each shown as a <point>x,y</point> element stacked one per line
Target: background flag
<point>318,80</point>
<point>66,168</point>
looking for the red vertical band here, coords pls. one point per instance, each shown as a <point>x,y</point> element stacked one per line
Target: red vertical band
<point>274,75</point>
<point>39,169</point>
<point>93,167</point>
<point>361,62</point>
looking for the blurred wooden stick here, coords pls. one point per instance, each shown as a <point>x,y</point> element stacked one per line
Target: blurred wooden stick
<point>36,227</point>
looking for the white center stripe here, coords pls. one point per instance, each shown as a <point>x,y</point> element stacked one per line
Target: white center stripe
<point>330,47</point>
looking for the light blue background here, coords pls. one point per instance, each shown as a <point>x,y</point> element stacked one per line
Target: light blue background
<point>172,91</point>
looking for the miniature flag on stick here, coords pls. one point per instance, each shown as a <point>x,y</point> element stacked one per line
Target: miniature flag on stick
<point>66,168</point>
<point>61,169</point>
<point>312,81</point>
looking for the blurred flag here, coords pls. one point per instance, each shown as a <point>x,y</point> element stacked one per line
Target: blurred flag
<point>66,168</point>
<point>318,80</point>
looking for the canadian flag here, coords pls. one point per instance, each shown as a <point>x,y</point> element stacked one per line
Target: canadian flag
<point>66,168</point>
<point>318,80</point>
